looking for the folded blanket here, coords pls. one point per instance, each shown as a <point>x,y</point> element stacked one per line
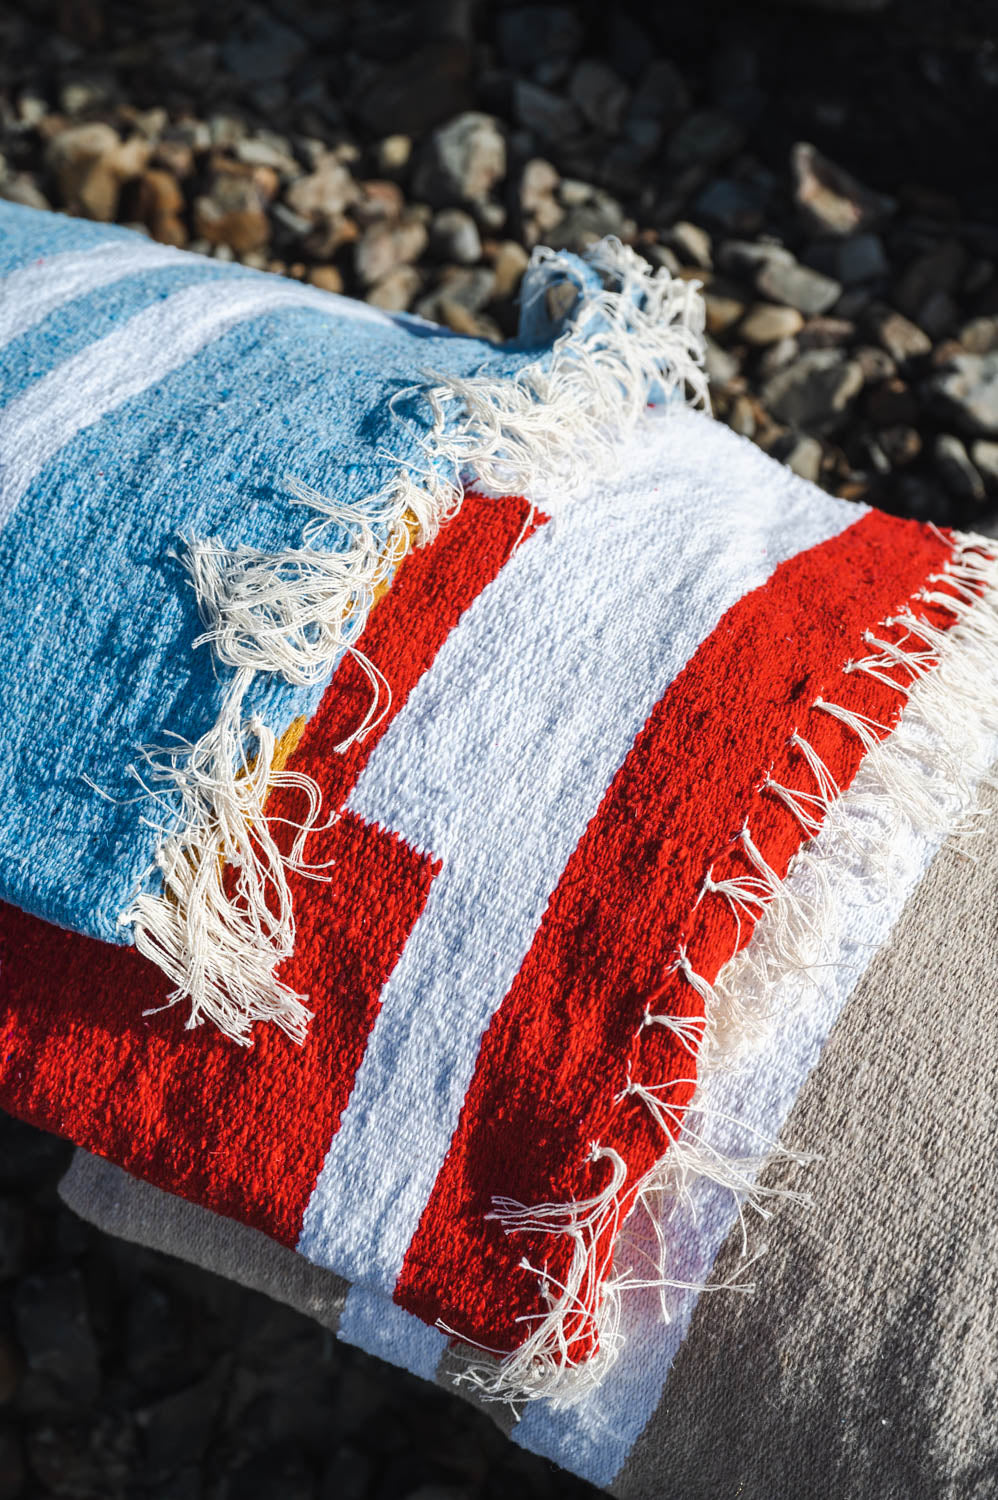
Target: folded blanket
<point>609,803</point>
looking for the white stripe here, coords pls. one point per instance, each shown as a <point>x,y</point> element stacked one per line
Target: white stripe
<point>499,760</point>
<point>135,357</point>
<point>380,1327</point>
<point>30,294</point>
<point>594,1437</point>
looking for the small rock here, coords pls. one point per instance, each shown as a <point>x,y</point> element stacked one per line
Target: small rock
<point>720,366</point>
<point>891,403</point>
<point>851,260</point>
<point>257,151</point>
<point>232,212</point>
<point>326,193</point>
<point>797,286</point>
<point>90,164</point>
<point>953,465</point>
<point>264,49</point>
<point>815,391</point>
<point>81,96</point>
<point>984,456</point>
<point>939,314</point>
<point>938,271</point>
<point>705,138</point>
<point>742,416</point>
<point>722,311</point>
<point>327,278</point>
<point>53,1328</point>
<point>766,323</point>
<point>583,225</point>
<point>980,335</point>
<point>393,154</point>
<point>159,204</point>
<point>20,187</point>
<point>396,291</point>
<point>746,258</point>
<point>538,184</point>
<point>826,333</point>
<point>509,264</point>
<point>900,445</point>
<point>599,94</point>
<point>461,162</point>
<point>382,247</point>
<point>902,339</point>
<point>551,117</point>
<point>691,243</point>
<point>529,34</point>
<point>777,357</point>
<point>803,454</point>
<point>829,199</point>
<point>378,200</point>
<point>876,364</point>
<point>454,237</point>
<point>967,391</point>
<point>661,256</point>
<point>738,207</point>
<point>659,102</point>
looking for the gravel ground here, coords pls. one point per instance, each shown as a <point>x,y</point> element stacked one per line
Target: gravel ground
<point>828,178</point>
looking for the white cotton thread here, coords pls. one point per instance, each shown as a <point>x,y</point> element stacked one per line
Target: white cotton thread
<point>292,614</point>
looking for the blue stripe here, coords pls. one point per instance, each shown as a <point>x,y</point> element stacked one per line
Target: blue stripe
<point>99,659</point>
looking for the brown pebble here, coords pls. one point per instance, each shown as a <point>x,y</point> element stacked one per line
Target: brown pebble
<point>326,277</point>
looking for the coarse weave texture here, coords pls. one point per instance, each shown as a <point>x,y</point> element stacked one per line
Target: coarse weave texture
<point>214,472</point>
<point>661,765</point>
<point>644,741</point>
<point>867,1354</point>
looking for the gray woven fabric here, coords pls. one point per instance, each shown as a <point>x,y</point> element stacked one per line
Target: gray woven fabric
<point>866,1364</point>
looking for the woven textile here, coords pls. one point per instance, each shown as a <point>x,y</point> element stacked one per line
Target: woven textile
<point>611,799</point>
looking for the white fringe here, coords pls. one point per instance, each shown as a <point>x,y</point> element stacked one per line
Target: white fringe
<point>926,779</point>
<point>559,421</point>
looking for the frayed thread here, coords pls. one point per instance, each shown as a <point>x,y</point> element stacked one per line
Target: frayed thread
<point>924,779</point>
<point>558,421</point>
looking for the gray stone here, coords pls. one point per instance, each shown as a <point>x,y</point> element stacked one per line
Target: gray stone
<point>705,138</point>
<point>900,445</point>
<point>815,391</point>
<point>738,207</point>
<point>803,454</point>
<point>980,335</point>
<point>552,118</point>
<point>718,363</point>
<point>939,314</point>
<point>691,243</point>
<point>396,291</point>
<point>52,1323</point>
<point>850,260</point>
<point>984,456</point>
<point>826,333</point>
<point>953,465</point>
<point>382,247</point>
<point>723,310</point>
<point>599,94</point>
<point>324,194</point>
<point>967,391</point>
<point>765,323</point>
<point>876,364</point>
<point>940,270</point>
<point>454,237</point>
<point>797,286</point>
<point>902,339</point>
<point>829,199</point>
<point>746,258</point>
<point>590,221</point>
<point>461,162</point>
<point>777,357</point>
<point>263,48</point>
<point>661,95</point>
<point>528,34</point>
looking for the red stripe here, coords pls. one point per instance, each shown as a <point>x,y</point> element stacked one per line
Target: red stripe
<point>246,1132</point>
<point>566,1039</point>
